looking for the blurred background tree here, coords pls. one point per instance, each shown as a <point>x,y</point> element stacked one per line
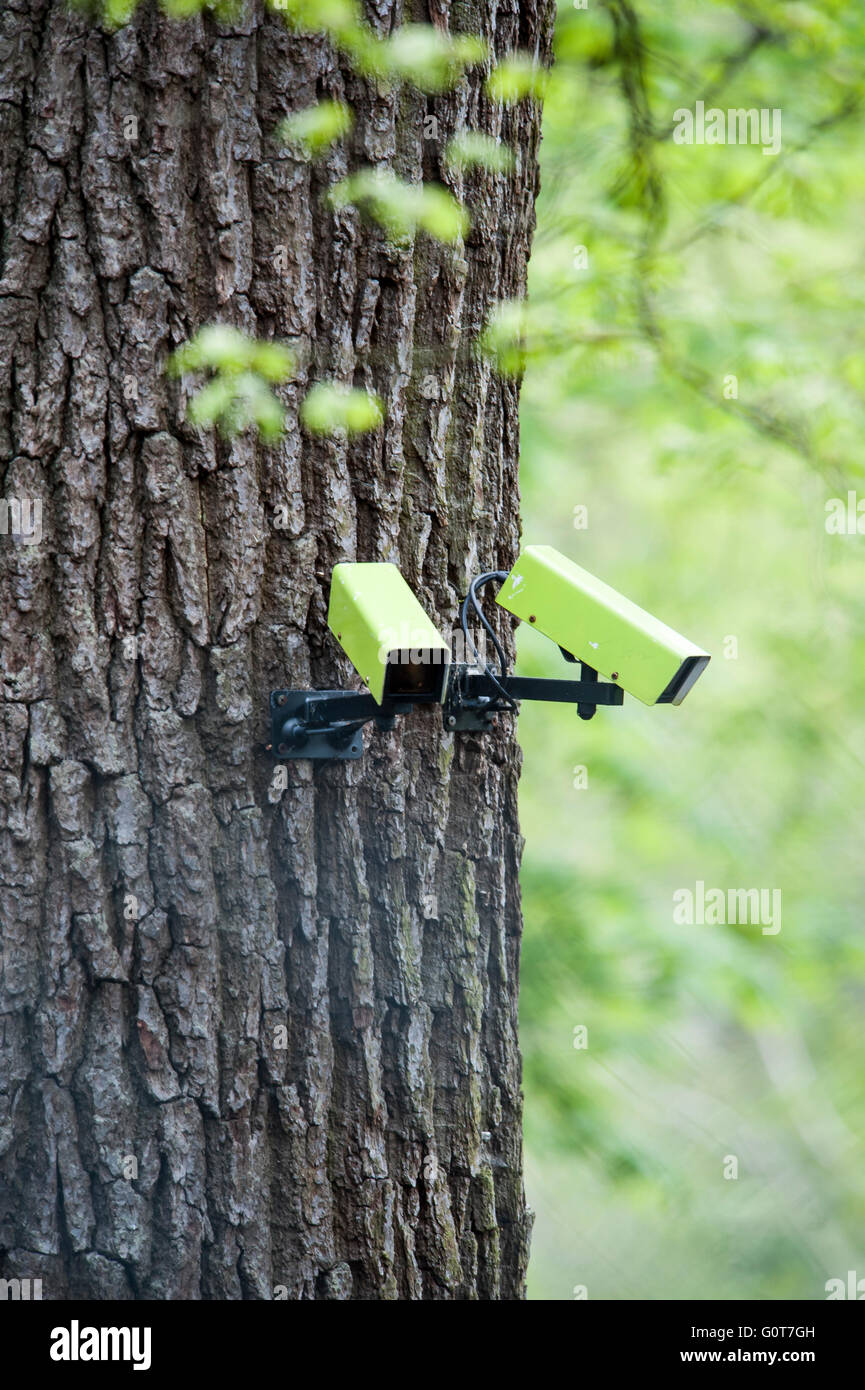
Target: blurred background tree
<point>695,381</point>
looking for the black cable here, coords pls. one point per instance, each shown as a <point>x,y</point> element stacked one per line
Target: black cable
<point>472,597</point>
<point>473,588</point>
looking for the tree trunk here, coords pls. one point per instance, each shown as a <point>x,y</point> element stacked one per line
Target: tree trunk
<point>254,1045</point>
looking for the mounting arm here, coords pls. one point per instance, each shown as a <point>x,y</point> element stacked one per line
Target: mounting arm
<point>327,724</point>
<point>474,698</point>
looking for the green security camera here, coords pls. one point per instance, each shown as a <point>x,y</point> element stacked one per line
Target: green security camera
<point>386,635</point>
<point>403,660</point>
<point>594,624</point>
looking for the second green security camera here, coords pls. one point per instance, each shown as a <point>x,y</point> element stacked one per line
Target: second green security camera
<point>601,627</point>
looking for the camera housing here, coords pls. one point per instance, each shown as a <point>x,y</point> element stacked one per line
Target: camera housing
<point>386,635</point>
<point>404,661</point>
<point>595,624</point>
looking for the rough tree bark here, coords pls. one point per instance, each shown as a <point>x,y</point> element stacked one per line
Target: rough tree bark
<point>253,1045</point>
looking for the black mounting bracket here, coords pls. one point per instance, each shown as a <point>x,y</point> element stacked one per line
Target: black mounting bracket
<point>474,698</point>
<point>328,724</point>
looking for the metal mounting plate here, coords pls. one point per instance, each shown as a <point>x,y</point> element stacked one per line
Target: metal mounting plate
<point>322,744</point>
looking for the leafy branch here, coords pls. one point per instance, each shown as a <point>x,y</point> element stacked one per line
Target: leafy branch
<point>242,372</point>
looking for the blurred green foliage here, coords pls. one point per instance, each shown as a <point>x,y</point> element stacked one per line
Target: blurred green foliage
<point>695,380</point>
<point>402,208</point>
<point>330,407</point>
<point>314,128</point>
<point>239,393</point>
<point>241,372</point>
<point>472,149</point>
<point>515,77</point>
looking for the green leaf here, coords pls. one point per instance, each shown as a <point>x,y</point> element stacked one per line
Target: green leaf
<point>440,214</point>
<point>211,402</point>
<point>329,407</point>
<point>184,9</point>
<point>221,348</point>
<point>118,12</point>
<point>402,208</point>
<point>428,59</point>
<point>342,20</point>
<point>473,149</point>
<point>272,361</point>
<point>112,13</point>
<point>314,129</point>
<point>516,77</point>
<point>233,403</point>
<point>503,339</point>
<point>239,394</point>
